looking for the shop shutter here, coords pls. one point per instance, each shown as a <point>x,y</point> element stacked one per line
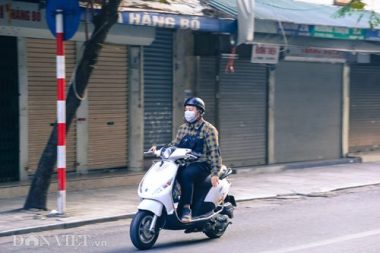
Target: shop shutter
<point>364,108</point>
<point>242,113</point>
<point>41,64</point>
<point>107,106</point>
<point>206,86</point>
<point>308,111</point>
<point>158,90</point>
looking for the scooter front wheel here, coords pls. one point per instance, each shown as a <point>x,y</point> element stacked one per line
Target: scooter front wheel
<point>140,234</point>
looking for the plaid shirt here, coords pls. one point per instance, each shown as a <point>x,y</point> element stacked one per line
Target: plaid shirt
<point>211,150</point>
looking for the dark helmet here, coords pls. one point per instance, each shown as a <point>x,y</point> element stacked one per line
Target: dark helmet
<point>195,101</point>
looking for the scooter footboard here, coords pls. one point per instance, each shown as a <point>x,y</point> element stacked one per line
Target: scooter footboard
<point>151,205</point>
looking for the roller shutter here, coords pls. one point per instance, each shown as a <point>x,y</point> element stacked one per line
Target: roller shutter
<point>107,105</point>
<point>308,111</point>
<point>158,89</point>
<point>242,114</point>
<point>41,64</point>
<point>364,108</point>
<point>206,86</point>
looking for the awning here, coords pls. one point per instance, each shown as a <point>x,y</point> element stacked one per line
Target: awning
<point>306,19</point>
<point>297,12</point>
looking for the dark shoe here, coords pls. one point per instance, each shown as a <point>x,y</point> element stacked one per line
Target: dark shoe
<point>186,215</point>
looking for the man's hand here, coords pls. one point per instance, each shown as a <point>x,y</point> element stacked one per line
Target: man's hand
<point>214,181</point>
<point>153,149</point>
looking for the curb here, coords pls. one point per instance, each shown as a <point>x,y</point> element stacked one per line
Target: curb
<point>311,194</point>
<point>65,225</point>
<point>84,222</point>
<point>276,168</point>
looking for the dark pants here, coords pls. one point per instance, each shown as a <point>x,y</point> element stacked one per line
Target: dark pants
<point>193,173</point>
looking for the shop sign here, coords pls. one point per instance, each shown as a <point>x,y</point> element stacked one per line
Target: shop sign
<point>329,32</point>
<point>373,35</point>
<point>316,54</point>
<point>267,54</point>
<point>18,13</point>
<point>337,32</point>
<point>196,23</point>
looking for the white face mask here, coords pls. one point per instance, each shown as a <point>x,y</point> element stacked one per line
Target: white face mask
<point>190,116</point>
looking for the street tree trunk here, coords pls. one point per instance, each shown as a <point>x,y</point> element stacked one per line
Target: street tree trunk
<point>103,21</point>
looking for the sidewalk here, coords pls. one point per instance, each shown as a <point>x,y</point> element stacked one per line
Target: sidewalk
<point>107,204</point>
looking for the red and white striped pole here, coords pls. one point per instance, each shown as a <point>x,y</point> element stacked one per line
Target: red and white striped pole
<point>61,115</point>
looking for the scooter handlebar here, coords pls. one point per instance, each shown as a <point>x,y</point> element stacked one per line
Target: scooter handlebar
<point>151,152</point>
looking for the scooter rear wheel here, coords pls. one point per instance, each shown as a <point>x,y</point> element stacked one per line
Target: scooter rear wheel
<point>213,234</point>
<point>140,235</point>
<point>219,228</point>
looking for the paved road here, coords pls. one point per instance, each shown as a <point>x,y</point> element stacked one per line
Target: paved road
<point>339,222</point>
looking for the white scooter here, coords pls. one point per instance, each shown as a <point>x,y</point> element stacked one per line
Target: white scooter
<point>160,206</point>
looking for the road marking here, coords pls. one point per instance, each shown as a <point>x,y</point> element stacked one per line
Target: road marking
<point>326,242</point>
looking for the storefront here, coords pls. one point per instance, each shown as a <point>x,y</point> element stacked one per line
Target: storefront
<point>315,112</point>
<point>236,103</point>
<point>243,113</point>
<point>98,136</point>
<point>307,111</point>
<point>159,68</point>
<point>288,110</point>
<point>9,110</point>
<point>158,89</point>
<point>108,109</point>
<point>364,107</point>
<point>40,65</point>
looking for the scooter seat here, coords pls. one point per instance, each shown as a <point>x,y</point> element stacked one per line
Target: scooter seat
<point>206,183</point>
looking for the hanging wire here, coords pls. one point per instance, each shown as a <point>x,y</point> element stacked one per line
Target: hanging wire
<point>286,44</point>
<point>73,77</point>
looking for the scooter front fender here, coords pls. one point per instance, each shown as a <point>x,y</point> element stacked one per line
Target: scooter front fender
<point>151,205</point>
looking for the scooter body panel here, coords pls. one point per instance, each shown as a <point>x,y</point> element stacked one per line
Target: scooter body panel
<point>158,183</point>
<point>218,194</point>
<point>154,206</point>
<point>172,223</point>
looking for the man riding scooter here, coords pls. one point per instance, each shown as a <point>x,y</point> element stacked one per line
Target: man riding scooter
<point>202,138</point>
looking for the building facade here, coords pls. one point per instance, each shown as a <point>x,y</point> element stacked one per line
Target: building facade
<point>319,101</point>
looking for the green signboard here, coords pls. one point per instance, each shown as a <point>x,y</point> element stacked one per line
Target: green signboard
<point>330,32</point>
<point>337,32</point>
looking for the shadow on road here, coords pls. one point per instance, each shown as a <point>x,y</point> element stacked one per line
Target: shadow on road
<point>163,247</point>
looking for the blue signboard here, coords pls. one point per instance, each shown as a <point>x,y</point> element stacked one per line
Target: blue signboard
<point>71,16</point>
<point>373,35</point>
<point>196,23</point>
<point>295,29</point>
